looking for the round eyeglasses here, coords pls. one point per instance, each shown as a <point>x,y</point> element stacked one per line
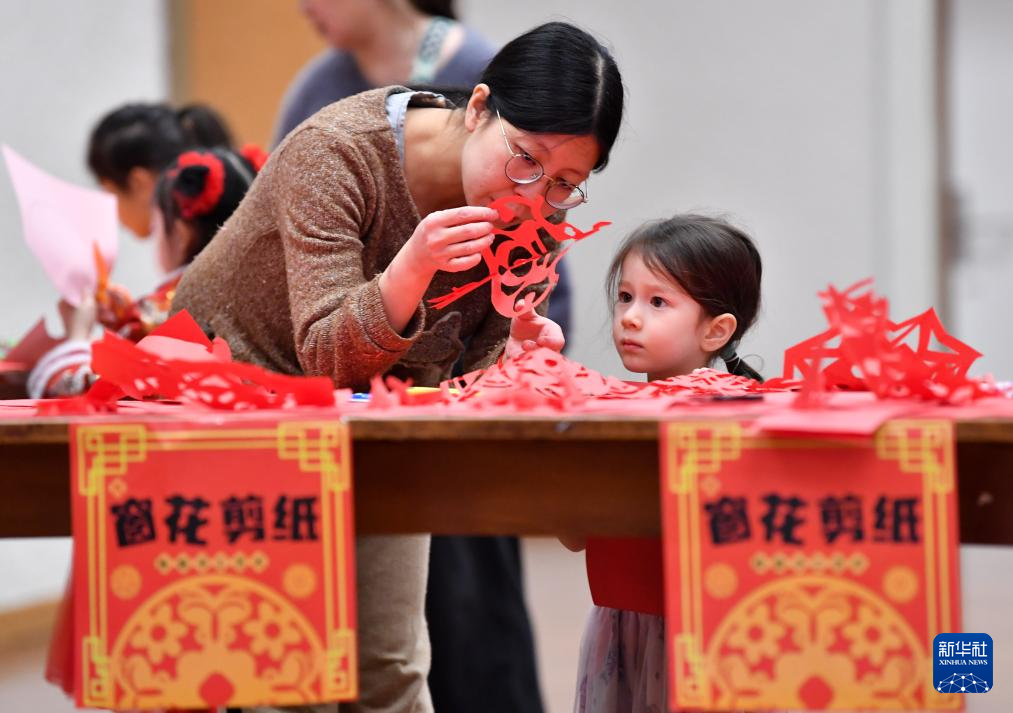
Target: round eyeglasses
<point>524,170</point>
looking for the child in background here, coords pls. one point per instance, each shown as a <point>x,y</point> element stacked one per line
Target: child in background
<point>194,196</point>
<point>131,146</point>
<point>192,199</point>
<point>683,291</point>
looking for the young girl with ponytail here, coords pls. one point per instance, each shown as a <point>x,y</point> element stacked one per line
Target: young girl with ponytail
<point>683,292</point>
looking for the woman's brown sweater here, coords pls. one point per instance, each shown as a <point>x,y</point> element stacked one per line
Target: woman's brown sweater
<point>291,279</point>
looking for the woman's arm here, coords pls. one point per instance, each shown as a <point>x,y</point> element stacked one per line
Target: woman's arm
<point>347,325</point>
<point>449,240</point>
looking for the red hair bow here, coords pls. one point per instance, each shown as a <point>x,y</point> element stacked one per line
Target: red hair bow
<point>193,204</point>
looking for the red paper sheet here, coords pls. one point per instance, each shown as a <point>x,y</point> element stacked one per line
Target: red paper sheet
<point>195,590</point>
<point>29,349</point>
<point>808,574</point>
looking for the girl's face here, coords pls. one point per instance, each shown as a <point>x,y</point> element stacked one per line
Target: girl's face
<point>134,202</point>
<point>657,328</point>
<point>170,248</point>
<point>485,154</point>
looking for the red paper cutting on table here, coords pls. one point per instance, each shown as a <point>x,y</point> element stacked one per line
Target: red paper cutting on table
<point>196,590</point>
<point>542,378</point>
<point>868,351</point>
<point>178,362</point>
<point>556,380</point>
<point>521,261</point>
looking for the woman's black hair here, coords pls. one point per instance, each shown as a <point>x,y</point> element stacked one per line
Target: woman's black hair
<point>717,265</point>
<point>203,187</point>
<point>149,136</point>
<point>439,8</point>
<point>558,79</point>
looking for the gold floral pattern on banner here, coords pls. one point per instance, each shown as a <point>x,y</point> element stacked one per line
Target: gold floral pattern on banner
<point>214,565</point>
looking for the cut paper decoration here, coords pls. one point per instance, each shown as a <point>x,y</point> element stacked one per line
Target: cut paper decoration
<point>866,350</point>
<point>808,573</point>
<point>61,224</point>
<point>551,377</point>
<point>542,378</point>
<point>178,362</point>
<point>196,590</point>
<point>521,261</point>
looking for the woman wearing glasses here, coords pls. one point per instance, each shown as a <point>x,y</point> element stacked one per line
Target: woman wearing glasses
<point>367,209</point>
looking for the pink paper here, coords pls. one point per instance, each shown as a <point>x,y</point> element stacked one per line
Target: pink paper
<point>23,355</point>
<point>62,223</point>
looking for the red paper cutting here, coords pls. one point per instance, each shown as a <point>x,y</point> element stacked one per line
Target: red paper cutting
<point>521,261</point>
<point>542,378</point>
<point>178,362</point>
<point>868,351</point>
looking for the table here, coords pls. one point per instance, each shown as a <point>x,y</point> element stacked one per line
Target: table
<point>523,476</point>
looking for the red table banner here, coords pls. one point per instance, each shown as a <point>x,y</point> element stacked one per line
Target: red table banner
<point>213,564</point>
<point>807,573</point>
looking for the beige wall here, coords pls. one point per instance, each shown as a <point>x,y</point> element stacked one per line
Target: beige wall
<point>239,56</point>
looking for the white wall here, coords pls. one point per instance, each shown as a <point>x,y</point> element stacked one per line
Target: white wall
<point>808,123</point>
<point>63,65</point>
<point>981,111</point>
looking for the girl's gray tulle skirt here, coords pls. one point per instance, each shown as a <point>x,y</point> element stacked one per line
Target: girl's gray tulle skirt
<point>622,663</point>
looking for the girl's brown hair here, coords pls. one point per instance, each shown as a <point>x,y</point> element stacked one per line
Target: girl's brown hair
<point>717,265</point>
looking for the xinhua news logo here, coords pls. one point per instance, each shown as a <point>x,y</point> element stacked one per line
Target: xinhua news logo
<point>962,663</point>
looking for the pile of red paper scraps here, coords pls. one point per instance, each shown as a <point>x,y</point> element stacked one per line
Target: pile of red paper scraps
<point>542,378</point>
<point>177,362</point>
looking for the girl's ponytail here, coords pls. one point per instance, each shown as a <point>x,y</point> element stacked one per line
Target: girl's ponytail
<point>737,365</point>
